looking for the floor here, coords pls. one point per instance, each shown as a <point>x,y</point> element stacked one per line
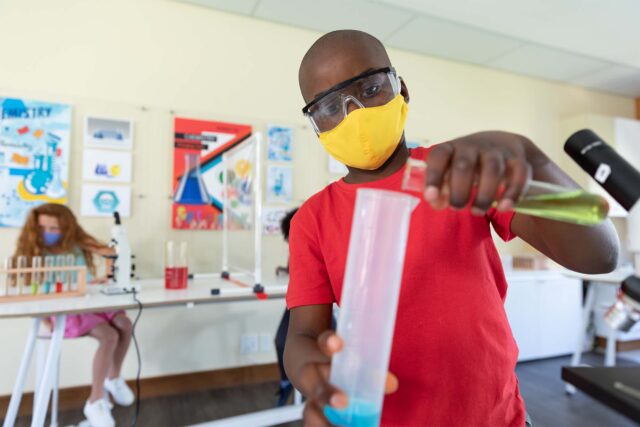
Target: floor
<point>540,383</point>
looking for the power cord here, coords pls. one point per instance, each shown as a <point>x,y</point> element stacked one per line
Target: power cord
<point>134,421</point>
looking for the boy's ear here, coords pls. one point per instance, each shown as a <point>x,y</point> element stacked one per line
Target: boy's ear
<point>404,91</point>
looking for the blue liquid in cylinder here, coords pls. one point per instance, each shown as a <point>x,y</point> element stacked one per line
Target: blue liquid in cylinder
<point>359,413</point>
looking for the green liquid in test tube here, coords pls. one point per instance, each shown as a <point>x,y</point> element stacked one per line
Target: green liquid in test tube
<point>540,199</point>
<point>36,276</point>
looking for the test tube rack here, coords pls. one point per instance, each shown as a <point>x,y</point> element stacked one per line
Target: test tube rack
<point>9,292</point>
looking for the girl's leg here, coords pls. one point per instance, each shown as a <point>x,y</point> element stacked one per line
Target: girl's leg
<point>123,326</point>
<point>107,337</point>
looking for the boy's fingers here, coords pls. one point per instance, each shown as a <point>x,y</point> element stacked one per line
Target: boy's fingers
<point>313,416</point>
<point>518,172</point>
<point>314,383</point>
<point>391,386</point>
<point>329,343</point>
<point>492,170</point>
<point>437,165</point>
<point>463,170</point>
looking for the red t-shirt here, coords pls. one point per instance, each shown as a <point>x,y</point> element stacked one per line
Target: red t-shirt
<point>453,351</point>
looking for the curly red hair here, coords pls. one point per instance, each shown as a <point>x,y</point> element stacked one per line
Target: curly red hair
<point>31,243</point>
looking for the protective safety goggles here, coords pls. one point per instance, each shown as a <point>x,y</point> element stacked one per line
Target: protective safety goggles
<point>369,89</point>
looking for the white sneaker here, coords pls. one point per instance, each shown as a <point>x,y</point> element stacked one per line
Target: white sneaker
<point>120,391</point>
<point>99,413</point>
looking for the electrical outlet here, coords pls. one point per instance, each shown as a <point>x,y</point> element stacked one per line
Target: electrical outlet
<point>248,344</point>
<point>266,343</point>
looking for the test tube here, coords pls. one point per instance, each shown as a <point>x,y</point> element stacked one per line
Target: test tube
<point>36,276</point>
<point>49,276</point>
<point>7,281</point>
<point>60,275</point>
<point>369,303</point>
<point>70,261</point>
<point>21,276</point>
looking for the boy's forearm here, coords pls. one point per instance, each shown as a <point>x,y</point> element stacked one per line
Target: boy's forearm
<point>585,249</point>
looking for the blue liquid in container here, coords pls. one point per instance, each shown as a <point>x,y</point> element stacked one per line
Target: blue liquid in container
<point>359,413</point>
<point>191,195</point>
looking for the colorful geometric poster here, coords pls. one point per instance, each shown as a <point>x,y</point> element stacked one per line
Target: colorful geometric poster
<point>106,165</point>
<point>279,184</point>
<point>280,143</point>
<point>34,156</point>
<point>198,172</point>
<point>104,199</point>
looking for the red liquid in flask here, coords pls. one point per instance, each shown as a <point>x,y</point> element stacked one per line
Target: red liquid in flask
<point>175,277</point>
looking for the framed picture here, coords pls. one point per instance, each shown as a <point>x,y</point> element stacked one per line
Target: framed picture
<point>108,133</point>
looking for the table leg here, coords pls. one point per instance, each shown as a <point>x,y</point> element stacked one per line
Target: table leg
<point>18,387</point>
<point>584,326</point>
<point>44,388</point>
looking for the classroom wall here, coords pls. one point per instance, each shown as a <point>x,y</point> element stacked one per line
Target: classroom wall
<point>148,60</point>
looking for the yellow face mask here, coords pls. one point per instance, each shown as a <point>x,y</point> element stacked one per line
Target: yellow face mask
<point>367,137</point>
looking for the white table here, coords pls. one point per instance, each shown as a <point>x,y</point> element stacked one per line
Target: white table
<point>152,295</point>
<point>614,278</point>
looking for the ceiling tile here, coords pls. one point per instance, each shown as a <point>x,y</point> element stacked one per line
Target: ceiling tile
<point>327,15</point>
<point>616,78</point>
<point>547,63</point>
<point>236,6</point>
<point>442,38</point>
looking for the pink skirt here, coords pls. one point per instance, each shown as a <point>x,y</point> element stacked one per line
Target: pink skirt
<point>79,325</point>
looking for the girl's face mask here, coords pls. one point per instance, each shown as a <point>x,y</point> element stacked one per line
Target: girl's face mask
<point>51,239</point>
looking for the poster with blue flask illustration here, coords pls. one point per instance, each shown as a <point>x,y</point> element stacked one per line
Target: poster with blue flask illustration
<point>34,156</point>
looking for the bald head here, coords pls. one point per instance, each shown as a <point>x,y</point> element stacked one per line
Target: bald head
<point>338,56</point>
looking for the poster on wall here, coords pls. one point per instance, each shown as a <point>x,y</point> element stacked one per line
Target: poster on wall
<point>279,184</point>
<point>34,156</point>
<point>108,133</point>
<point>271,217</point>
<point>104,199</point>
<point>106,165</point>
<point>198,174</point>
<point>280,143</point>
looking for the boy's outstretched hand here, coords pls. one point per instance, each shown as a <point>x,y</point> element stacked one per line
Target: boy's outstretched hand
<point>499,164</point>
<point>487,159</point>
<point>308,363</point>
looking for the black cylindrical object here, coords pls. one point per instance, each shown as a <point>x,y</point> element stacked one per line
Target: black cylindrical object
<point>598,159</point>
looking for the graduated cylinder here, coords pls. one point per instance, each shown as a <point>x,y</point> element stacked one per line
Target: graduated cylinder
<point>369,302</point>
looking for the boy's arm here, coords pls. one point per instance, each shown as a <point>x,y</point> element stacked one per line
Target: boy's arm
<point>585,249</point>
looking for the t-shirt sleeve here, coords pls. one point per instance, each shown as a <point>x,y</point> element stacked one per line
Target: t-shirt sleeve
<point>309,282</point>
<point>501,222</point>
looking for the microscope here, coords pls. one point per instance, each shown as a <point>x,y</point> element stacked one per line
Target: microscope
<point>121,267</point>
<point>622,181</point>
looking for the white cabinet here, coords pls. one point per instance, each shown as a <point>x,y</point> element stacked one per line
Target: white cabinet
<point>544,311</point>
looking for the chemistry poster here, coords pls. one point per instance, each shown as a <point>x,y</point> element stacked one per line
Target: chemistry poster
<point>198,174</point>
<point>34,156</point>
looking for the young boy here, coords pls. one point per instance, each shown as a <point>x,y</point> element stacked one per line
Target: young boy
<point>453,355</point>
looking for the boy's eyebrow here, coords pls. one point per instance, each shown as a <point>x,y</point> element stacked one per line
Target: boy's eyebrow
<point>324,92</point>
